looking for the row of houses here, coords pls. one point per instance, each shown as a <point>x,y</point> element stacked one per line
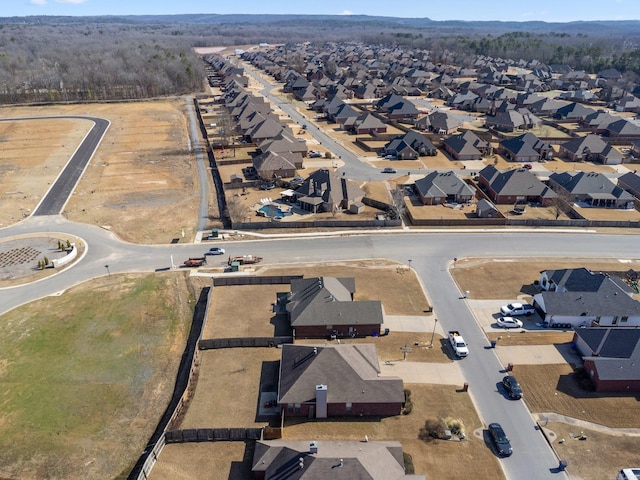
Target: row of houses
<point>318,381</point>
<point>520,186</point>
<point>606,318</point>
<point>369,72</point>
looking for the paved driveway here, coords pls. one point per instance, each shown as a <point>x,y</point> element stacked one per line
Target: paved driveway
<point>487,313</point>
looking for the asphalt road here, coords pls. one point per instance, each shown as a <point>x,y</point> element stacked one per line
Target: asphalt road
<point>429,254</point>
<point>58,194</point>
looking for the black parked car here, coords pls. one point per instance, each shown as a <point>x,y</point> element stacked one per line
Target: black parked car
<point>500,440</point>
<point>512,387</point>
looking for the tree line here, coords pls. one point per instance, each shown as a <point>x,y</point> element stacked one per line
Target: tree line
<point>54,59</point>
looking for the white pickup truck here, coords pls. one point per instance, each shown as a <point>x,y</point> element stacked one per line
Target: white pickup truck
<point>514,309</point>
<point>458,344</point>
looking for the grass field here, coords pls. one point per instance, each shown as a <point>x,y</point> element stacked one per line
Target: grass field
<point>84,382</point>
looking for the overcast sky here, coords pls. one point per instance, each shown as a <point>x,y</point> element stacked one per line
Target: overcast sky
<point>515,10</point>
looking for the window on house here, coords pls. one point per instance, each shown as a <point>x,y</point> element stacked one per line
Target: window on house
<point>624,319</point>
<point>348,407</point>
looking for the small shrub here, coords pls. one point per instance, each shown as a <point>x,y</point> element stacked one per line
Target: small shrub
<point>408,404</point>
<point>433,429</point>
<point>408,464</point>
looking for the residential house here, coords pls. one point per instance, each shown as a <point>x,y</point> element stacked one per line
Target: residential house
<point>346,116</point>
<point>466,146</point>
<point>322,307</point>
<point>444,123</point>
<point>592,188</point>
<point>283,143</point>
<point>610,357</point>
<point>268,128</point>
<point>590,148</point>
<point>622,128</point>
<point>443,187</point>
<point>409,146</point>
<point>526,148</point>
<point>314,460</point>
<point>322,381</point>
<point>367,123</point>
<point>514,186</point>
<point>325,191</point>
<point>272,165</point>
<point>397,107</point>
<point>512,120</point>
<point>630,181</point>
<point>573,112</point>
<point>630,103</point>
<point>580,297</point>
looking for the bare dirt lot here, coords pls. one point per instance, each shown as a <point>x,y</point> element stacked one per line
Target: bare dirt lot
<point>140,176</point>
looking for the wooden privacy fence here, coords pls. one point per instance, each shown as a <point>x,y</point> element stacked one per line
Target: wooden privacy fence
<point>255,280</point>
<point>242,342</point>
<point>212,435</point>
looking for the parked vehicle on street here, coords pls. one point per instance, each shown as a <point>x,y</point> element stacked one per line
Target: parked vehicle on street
<point>512,387</point>
<point>389,170</point>
<point>514,309</point>
<point>245,259</point>
<point>215,251</point>
<point>509,322</point>
<point>458,344</point>
<point>500,440</point>
<point>195,262</point>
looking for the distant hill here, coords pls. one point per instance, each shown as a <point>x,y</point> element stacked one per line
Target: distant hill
<point>609,28</point>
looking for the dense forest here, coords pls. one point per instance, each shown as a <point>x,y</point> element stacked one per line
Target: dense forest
<point>52,59</point>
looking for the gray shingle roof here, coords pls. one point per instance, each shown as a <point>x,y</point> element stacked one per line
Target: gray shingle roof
<point>355,460</point>
<point>585,183</point>
<point>350,372</point>
<point>327,301</point>
<point>441,184</point>
<point>608,301</point>
<point>518,181</point>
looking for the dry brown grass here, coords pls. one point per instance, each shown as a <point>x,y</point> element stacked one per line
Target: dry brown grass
<point>613,451</point>
<point>553,388</point>
<point>469,273</point>
<point>472,457</point>
<point>228,388</point>
<point>140,176</point>
<point>516,338</point>
<point>211,460</point>
<point>242,311</point>
<point>32,155</point>
<point>394,285</point>
<point>613,214</point>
